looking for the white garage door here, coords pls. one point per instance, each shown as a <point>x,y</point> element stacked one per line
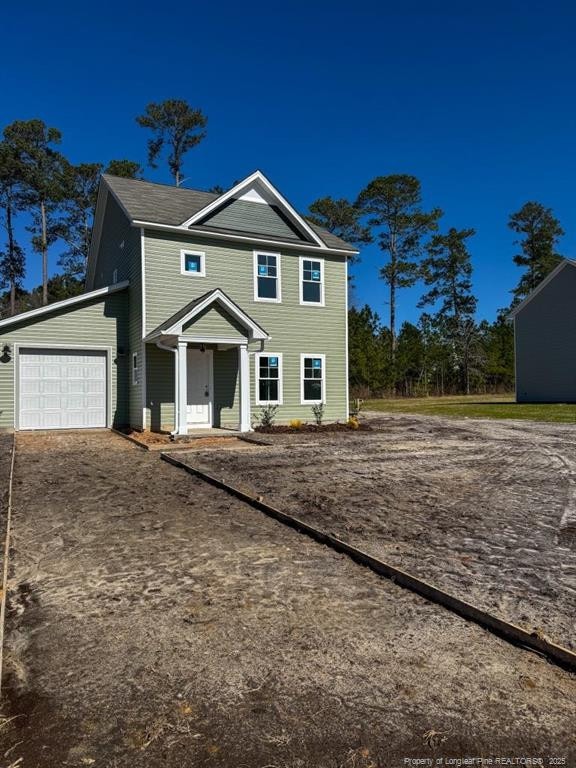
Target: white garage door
<point>62,389</point>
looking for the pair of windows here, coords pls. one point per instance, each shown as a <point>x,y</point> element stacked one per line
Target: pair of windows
<point>269,379</point>
<point>267,279</point>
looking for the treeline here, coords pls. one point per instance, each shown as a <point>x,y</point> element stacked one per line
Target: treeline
<point>57,199</point>
<point>448,351</point>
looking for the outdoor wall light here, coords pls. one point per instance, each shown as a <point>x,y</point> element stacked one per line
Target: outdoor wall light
<point>202,348</point>
<point>6,353</point>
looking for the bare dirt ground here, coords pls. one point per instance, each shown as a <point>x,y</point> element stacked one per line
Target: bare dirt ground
<point>483,509</point>
<point>155,621</point>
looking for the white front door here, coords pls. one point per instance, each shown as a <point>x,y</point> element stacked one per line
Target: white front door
<point>199,410</point>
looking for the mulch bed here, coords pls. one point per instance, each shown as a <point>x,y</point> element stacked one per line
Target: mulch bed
<point>279,429</point>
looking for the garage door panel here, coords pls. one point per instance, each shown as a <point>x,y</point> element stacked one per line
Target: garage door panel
<point>62,389</point>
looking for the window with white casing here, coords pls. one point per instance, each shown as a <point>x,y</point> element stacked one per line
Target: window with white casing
<point>193,263</point>
<point>268,379</point>
<point>313,375</point>
<point>135,368</point>
<point>312,281</point>
<point>267,276</point>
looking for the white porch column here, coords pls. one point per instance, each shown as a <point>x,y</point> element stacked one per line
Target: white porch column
<point>182,374</point>
<point>244,371</point>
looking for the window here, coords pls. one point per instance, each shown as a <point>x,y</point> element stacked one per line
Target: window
<point>268,379</point>
<point>135,368</point>
<point>193,263</point>
<point>266,276</point>
<point>311,281</point>
<point>313,378</point>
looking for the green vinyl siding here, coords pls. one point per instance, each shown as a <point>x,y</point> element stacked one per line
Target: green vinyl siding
<point>294,329</point>
<point>215,322</point>
<point>160,388</point>
<point>101,323</point>
<point>119,249</point>
<point>246,216</point>
<point>226,389</point>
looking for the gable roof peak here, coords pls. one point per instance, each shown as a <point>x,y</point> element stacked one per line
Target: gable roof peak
<point>270,194</point>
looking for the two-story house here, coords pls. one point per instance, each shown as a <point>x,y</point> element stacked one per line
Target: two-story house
<point>199,310</point>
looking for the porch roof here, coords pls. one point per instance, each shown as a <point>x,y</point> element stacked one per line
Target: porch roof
<point>173,326</point>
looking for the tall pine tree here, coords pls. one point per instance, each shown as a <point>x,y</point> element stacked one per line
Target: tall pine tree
<point>539,232</point>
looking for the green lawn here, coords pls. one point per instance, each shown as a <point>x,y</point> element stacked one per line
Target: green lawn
<point>476,406</point>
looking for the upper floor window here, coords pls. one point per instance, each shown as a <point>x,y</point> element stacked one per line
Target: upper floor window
<point>193,263</point>
<point>311,281</point>
<point>267,276</point>
<point>268,379</point>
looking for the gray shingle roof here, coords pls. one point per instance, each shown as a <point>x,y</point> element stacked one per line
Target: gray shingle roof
<point>163,204</point>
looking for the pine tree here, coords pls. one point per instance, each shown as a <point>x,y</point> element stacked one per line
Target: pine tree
<point>392,204</point>
<point>176,124</point>
<point>539,232</point>
<point>12,257</point>
<point>34,144</point>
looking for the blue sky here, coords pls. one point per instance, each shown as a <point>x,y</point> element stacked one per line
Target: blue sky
<point>476,100</point>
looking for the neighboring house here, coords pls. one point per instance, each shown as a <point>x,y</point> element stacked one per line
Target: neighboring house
<point>545,339</point>
<point>199,310</point>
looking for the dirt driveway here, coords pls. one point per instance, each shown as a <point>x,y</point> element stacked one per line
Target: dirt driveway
<point>157,622</point>
<point>483,509</point>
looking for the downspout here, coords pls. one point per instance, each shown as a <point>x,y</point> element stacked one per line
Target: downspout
<point>175,350</point>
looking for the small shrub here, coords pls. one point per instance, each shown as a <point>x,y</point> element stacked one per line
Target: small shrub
<point>353,422</point>
<point>267,415</point>
<point>318,411</point>
<point>296,423</point>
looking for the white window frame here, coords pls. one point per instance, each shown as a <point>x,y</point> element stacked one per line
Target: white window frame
<point>320,260</point>
<point>323,398</point>
<point>278,256</point>
<point>187,252</point>
<point>135,369</point>
<point>257,399</point>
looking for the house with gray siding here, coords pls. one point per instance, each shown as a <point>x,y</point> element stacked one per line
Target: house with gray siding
<point>545,339</point>
<point>199,311</point>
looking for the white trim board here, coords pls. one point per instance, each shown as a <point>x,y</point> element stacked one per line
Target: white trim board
<point>216,296</point>
<point>323,358</point>
<point>211,234</point>
<point>189,252</point>
<point>257,179</point>
<point>55,306</point>
<point>320,260</point>
<point>278,256</point>
<point>257,356</point>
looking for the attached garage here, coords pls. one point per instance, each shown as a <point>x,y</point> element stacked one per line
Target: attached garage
<point>65,366</point>
<point>62,388</point>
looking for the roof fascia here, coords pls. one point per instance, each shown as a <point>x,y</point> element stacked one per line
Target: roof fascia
<point>259,177</point>
<point>218,297</point>
<point>241,239</point>
<point>55,306</point>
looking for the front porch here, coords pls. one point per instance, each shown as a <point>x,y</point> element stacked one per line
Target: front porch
<point>209,342</point>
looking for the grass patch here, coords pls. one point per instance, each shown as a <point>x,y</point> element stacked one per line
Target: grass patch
<point>477,406</point>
